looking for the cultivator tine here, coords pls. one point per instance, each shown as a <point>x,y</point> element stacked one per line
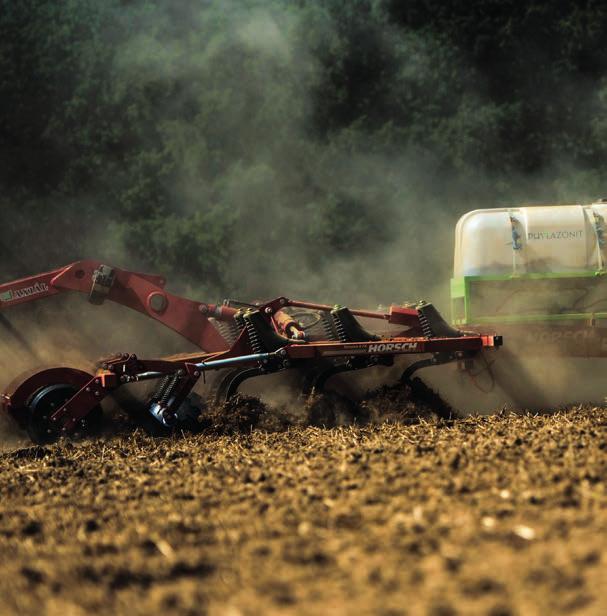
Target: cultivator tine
<point>413,368</point>
<point>316,381</point>
<point>436,360</point>
<point>229,383</point>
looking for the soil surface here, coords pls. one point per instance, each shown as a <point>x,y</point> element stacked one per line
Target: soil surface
<point>496,515</point>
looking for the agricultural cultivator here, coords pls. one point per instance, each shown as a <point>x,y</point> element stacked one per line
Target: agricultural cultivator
<point>237,341</point>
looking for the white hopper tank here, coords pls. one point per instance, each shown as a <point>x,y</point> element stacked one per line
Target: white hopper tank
<point>530,240</point>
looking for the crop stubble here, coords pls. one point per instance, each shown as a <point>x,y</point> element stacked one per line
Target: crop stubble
<point>495,515</point>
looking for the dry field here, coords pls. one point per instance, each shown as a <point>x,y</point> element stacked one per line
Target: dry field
<point>498,515</point>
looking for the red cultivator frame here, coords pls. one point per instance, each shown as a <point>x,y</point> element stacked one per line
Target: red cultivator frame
<point>242,340</point>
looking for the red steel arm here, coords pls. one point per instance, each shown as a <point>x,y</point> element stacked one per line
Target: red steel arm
<point>141,292</point>
<point>145,293</point>
<point>28,289</point>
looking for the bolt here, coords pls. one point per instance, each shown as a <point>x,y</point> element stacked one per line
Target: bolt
<point>96,381</point>
<point>97,394</point>
<point>88,389</point>
<point>196,374</point>
<point>283,301</point>
<point>269,310</point>
<point>49,431</point>
<point>204,309</point>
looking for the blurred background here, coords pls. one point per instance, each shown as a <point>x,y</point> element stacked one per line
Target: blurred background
<point>321,150</point>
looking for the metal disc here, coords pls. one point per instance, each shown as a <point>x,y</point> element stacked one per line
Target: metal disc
<point>44,403</point>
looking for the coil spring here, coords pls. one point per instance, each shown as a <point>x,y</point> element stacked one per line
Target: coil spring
<point>164,383</point>
<point>239,320</point>
<point>230,330</point>
<point>426,328</point>
<point>254,340</point>
<point>166,389</point>
<point>328,326</point>
<point>339,328</point>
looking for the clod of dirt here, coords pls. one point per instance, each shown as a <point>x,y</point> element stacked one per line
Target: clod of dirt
<point>238,415</point>
<point>330,409</point>
<point>405,404</point>
<point>32,528</point>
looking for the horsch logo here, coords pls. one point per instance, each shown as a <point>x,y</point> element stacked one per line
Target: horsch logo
<point>35,289</point>
<point>392,346</point>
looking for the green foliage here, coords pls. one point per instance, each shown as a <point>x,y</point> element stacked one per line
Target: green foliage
<point>281,146</point>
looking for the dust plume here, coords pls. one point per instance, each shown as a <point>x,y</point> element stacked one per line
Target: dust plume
<point>256,148</point>
<point>253,148</point>
<point>233,165</point>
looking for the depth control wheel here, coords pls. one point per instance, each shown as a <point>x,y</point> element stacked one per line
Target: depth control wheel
<point>45,402</point>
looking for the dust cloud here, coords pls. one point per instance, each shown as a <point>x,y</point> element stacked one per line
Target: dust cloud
<point>350,217</point>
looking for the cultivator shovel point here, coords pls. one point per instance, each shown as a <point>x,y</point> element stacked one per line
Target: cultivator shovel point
<point>238,341</point>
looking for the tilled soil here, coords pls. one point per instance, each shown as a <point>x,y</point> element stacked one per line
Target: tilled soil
<point>491,515</point>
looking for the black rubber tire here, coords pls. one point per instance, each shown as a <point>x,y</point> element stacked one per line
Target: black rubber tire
<point>43,403</point>
<point>152,427</point>
<point>188,418</point>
